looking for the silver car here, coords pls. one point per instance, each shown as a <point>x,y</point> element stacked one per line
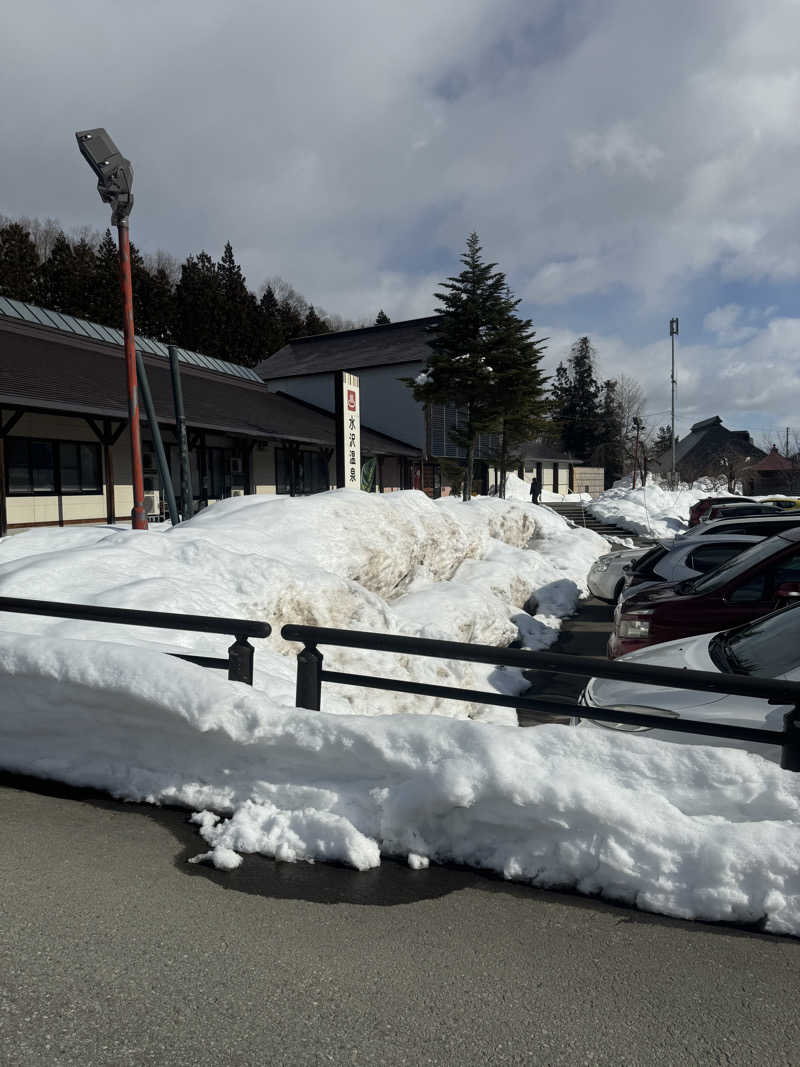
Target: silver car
<point>606,578</point>
<point>675,561</point>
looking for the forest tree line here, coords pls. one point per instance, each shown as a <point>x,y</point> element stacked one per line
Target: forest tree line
<point>201,304</point>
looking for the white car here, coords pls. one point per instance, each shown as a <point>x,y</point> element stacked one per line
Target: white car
<point>675,561</point>
<point>607,575</point>
<point>766,648</point>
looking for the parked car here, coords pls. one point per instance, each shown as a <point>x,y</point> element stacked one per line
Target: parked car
<point>750,585</point>
<point>756,525</point>
<point>785,503</point>
<point>702,507</point>
<point>672,561</point>
<point>766,648</point>
<point>738,511</point>
<point>606,578</point>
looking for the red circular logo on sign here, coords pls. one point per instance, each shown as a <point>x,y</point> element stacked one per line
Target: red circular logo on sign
<point>351,400</point>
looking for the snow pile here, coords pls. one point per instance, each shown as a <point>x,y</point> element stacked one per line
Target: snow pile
<point>685,831</point>
<point>398,563</point>
<point>650,510</point>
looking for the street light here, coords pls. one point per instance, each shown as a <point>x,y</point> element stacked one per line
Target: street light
<point>114,183</point>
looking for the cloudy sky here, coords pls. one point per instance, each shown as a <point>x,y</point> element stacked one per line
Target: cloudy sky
<point>623,162</point>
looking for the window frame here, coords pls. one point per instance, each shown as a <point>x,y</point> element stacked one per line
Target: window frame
<point>55,446</point>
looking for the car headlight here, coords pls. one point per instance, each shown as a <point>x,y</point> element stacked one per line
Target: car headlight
<point>634,623</point>
<point>600,565</point>
<point>626,727</point>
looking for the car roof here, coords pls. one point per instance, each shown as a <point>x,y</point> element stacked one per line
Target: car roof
<point>719,538</point>
<point>780,522</point>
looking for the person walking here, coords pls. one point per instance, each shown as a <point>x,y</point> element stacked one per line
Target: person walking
<point>536,490</point>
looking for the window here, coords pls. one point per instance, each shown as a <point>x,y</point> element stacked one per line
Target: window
<point>311,472</point>
<point>35,466</point>
<point>709,557</point>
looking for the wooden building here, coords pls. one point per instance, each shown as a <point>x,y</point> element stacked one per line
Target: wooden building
<point>64,446</point>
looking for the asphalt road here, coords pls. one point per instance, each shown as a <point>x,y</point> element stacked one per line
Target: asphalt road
<point>115,951</point>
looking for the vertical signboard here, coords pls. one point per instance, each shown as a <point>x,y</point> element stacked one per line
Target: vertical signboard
<point>348,431</point>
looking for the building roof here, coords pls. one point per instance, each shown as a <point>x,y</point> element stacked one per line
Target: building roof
<point>373,346</point>
<point>60,372</point>
<point>698,433</point>
<point>773,461</point>
<point>93,331</point>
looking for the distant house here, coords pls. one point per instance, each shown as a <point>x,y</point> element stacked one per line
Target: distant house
<point>773,473</point>
<point>710,450</point>
<point>557,471</point>
<point>382,357</point>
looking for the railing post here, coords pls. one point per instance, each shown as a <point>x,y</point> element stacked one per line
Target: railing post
<point>790,753</point>
<point>309,678</point>
<point>240,660</point>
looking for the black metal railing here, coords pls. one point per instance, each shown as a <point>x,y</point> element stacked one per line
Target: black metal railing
<point>239,663</point>
<point>311,675</point>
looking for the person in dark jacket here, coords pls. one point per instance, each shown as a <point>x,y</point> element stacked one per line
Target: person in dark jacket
<point>536,490</point>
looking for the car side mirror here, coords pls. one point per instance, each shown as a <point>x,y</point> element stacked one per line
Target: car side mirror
<point>788,591</point>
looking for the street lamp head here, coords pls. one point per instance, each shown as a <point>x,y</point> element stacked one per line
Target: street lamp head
<point>114,172</point>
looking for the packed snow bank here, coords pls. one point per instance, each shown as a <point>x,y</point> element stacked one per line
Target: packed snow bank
<point>398,563</point>
<point>685,831</point>
<point>647,510</point>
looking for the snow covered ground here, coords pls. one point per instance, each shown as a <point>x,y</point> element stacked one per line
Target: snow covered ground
<point>649,510</point>
<point>688,831</point>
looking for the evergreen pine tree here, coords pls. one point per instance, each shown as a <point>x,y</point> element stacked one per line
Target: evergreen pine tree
<point>198,305</point>
<point>270,322</point>
<point>54,277</point>
<point>290,320</point>
<point>80,288</point>
<point>240,339</point>
<point>480,352</point>
<point>663,440</point>
<point>19,263</point>
<point>382,319</point>
<point>575,402</point>
<point>314,324</point>
<point>105,302</point>
<point>610,452</point>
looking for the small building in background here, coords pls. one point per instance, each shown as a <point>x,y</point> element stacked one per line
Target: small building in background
<point>773,473</point>
<point>710,450</point>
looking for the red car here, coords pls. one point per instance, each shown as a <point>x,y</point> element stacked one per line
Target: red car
<point>699,510</point>
<point>749,585</point>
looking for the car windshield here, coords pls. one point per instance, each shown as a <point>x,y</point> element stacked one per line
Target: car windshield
<point>738,565</point>
<point>768,647</point>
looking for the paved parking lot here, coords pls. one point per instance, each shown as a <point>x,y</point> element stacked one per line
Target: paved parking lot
<point>115,951</point>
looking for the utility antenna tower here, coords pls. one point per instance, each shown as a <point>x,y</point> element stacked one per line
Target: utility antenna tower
<point>673,333</point>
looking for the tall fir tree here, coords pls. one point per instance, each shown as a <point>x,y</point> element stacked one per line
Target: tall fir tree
<point>19,263</point>
<point>105,303</point>
<point>663,440</point>
<point>609,453</point>
<point>382,319</point>
<point>272,337</point>
<point>313,324</point>
<point>575,402</point>
<point>198,304</point>
<point>481,352</point>
<point>55,273</point>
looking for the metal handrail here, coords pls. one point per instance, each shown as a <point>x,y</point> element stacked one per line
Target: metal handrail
<point>239,663</point>
<point>311,675</point>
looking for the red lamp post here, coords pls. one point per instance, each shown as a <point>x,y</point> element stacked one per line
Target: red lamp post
<point>114,181</point>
